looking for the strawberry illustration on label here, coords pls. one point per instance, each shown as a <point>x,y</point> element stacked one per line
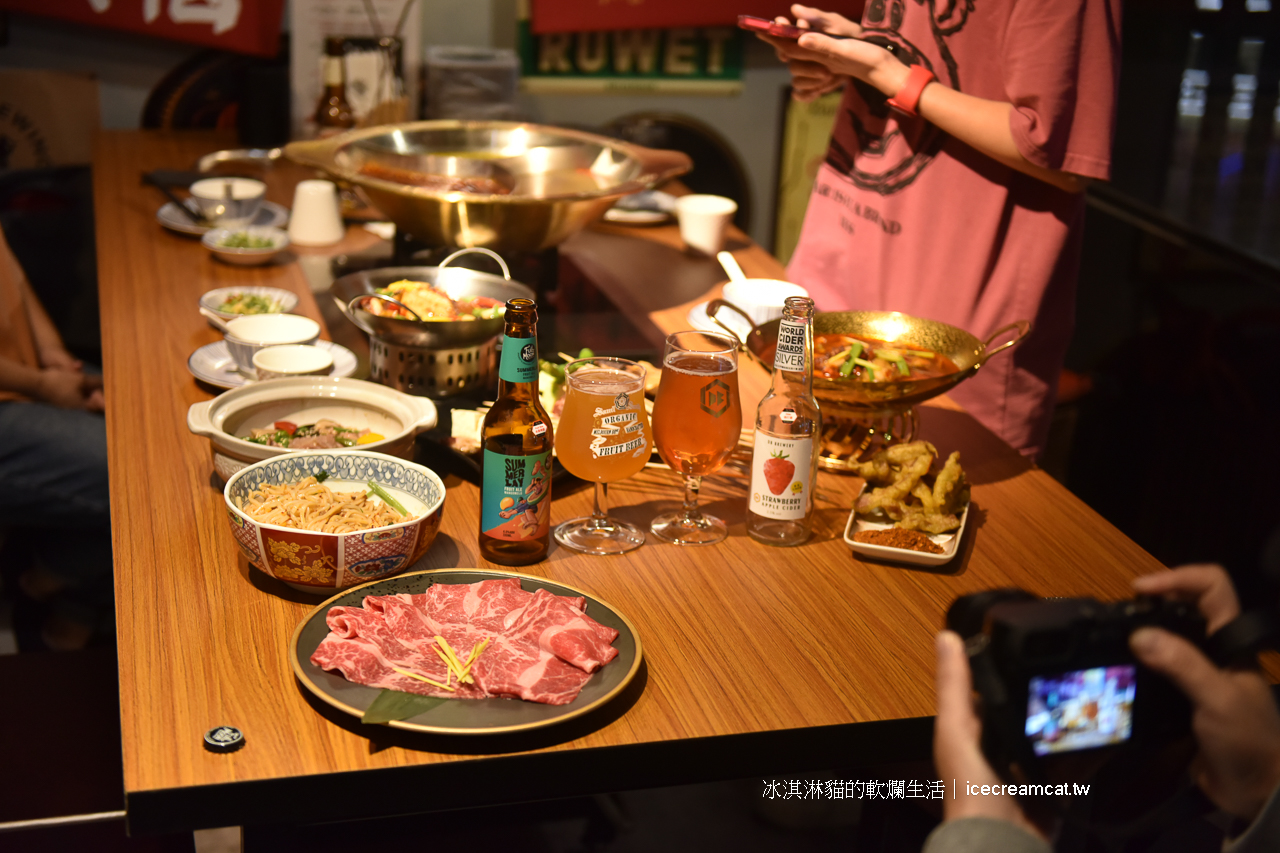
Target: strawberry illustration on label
<point>778,472</point>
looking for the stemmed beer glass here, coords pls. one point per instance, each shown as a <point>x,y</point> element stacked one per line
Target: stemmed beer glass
<point>603,436</point>
<point>697,422</point>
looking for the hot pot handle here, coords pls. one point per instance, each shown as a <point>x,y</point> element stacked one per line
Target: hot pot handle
<point>350,309</point>
<point>506,272</point>
<point>713,308</point>
<point>1024,329</point>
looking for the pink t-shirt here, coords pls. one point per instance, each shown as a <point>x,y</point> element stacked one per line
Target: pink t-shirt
<point>905,218</point>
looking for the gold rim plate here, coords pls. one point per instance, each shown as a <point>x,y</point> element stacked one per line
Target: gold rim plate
<point>464,716</point>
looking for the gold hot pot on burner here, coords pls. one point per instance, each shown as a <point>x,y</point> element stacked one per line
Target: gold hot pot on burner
<point>557,180</point>
<point>430,358</point>
<point>860,417</point>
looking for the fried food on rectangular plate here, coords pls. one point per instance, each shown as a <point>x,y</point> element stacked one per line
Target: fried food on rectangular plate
<point>902,489</point>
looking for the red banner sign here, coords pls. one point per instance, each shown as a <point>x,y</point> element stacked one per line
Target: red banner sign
<point>566,16</point>
<point>244,26</point>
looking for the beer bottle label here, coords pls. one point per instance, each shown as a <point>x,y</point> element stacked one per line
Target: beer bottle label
<point>515,496</point>
<point>780,470</point>
<point>790,352</point>
<point>519,360</point>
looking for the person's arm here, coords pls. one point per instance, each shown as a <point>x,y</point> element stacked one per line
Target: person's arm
<point>49,346</point>
<point>67,389</point>
<point>982,124</point>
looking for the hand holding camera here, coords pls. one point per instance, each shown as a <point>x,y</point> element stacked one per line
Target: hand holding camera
<point>1236,723</point>
<point>957,750</point>
<point>1078,676</point>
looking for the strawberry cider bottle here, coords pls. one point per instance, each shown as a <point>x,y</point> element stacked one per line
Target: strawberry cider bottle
<point>784,461</point>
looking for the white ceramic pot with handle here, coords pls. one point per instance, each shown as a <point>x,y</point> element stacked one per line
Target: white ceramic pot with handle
<point>226,420</point>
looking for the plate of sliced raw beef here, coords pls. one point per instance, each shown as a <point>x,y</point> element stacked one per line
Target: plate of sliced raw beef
<point>534,652</point>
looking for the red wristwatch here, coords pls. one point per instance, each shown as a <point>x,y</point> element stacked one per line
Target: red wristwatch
<point>909,95</point>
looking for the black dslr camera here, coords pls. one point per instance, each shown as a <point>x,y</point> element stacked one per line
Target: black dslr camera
<point>1056,677</point>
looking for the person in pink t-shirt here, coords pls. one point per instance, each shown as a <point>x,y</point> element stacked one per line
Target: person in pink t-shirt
<point>960,199</point>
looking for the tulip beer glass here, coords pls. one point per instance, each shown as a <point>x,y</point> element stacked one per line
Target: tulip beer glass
<point>603,436</point>
<point>697,421</point>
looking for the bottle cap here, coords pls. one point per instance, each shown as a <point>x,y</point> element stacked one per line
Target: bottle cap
<point>223,739</point>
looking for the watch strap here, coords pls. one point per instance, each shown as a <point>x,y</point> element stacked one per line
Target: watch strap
<point>909,95</point>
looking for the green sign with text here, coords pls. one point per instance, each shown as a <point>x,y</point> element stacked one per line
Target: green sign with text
<point>705,61</point>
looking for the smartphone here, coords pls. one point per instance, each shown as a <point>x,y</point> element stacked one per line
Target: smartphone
<point>770,28</point>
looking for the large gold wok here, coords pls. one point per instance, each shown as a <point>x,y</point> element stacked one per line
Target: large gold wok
<point>968,353</point>
<point>560,180</point>
<point>860,417</point>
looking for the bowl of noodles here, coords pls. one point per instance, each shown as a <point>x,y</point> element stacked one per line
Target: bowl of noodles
<point>326,520</point>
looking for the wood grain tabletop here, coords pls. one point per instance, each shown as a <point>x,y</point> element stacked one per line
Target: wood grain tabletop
<point>757,659</point>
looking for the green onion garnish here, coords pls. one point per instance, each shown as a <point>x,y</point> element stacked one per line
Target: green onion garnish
<point>870,368</point>
<point>386,498</point>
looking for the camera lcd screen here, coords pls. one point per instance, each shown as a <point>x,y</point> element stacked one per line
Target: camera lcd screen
<point>1083,709</point>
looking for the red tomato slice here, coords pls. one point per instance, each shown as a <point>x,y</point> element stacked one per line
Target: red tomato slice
<point>287,426</point>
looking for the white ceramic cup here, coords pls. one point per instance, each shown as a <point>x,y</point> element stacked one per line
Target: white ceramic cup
<point>292,360</point>
<point>246,335</point>
<point>316,218</point>
<point>704,221</point>
<point>228,202</point>
<point>762,299</point>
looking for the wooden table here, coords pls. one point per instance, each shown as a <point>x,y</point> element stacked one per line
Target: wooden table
<point>758,660</point>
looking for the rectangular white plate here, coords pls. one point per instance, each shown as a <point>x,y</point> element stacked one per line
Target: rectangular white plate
<point>950,542</point>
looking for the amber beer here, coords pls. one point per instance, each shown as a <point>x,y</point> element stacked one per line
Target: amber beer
<point>698,419</point>
<point>598,439</point>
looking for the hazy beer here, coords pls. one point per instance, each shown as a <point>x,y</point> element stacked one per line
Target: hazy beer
<point>604,429</point>
<point>603,436</point>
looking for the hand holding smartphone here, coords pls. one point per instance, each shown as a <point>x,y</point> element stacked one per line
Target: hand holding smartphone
<point>771,28</point>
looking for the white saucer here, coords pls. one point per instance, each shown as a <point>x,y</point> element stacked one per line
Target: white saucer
<point>699,320</point>
<point>212,363</point>
<point>651,207</point>
<point>269,214</point>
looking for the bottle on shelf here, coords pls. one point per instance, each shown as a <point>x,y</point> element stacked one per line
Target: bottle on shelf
<point>333,112</point>
<point>784,460</point>
<point>515,490</point>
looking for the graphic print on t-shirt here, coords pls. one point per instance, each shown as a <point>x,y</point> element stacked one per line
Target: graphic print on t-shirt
<point>876,148</point>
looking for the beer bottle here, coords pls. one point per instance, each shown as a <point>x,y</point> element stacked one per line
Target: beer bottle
<point>333,113</point>
<point>784,460</point>
<point>515,486</point>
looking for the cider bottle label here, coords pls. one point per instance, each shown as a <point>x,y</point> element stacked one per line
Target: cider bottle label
<point>515,498</point>
<point>519,360</point>
<point>780,473</point>
<point>790,352</point>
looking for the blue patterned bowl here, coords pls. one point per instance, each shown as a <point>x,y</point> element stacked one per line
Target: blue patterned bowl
<point>321,562</point>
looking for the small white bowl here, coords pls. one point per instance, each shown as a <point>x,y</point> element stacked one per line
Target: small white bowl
<point>244,256</point>
<point>282,301</point>
<point>292,360</point>
<point>228,210</point>
<point>246,335</point>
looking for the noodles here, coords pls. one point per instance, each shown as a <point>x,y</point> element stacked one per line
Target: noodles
<point>308,505</point>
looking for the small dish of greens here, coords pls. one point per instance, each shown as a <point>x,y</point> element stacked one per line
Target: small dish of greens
<point>246,246</point>
<point>231,302</point>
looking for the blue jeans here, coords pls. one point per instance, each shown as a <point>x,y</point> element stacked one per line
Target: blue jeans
<point>53,492</point>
